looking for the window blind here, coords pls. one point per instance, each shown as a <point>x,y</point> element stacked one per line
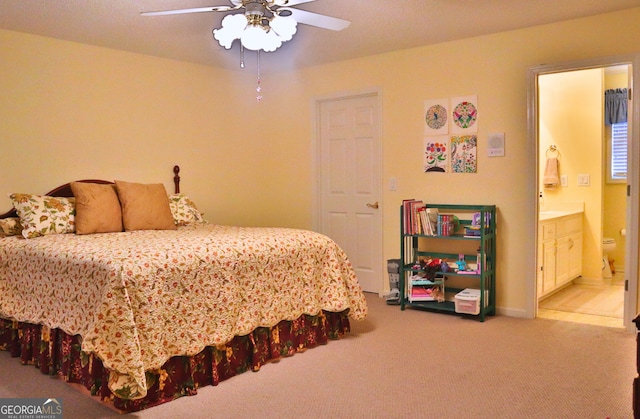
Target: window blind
<point>619,150</point>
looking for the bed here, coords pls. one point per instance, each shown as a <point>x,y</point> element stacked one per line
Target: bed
<point>149,310</point>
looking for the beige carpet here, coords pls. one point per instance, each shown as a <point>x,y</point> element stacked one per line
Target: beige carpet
<point>600,300</point>
<point>407,364</point>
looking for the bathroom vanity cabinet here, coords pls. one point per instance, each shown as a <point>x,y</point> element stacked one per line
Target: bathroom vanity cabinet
<point>559,252</point>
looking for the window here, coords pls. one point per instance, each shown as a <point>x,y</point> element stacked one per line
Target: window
<point>618,153</point>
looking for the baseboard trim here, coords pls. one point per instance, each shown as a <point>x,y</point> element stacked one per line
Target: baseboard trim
<point>512,312</point>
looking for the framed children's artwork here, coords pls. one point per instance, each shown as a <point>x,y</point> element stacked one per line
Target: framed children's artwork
<point>436,154</point>
<point>450,135</point>
<point>464,154</point>
<point>436,117</point>
<point>464,115</point>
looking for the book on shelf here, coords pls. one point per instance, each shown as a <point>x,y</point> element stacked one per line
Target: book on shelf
<point>425,220</point>
<point>417,218</point>
<point>472,232</point>
<point>406,219</point>
<point>432,216</point>
<point>411,216</point>
<point>475,222</point>
<point>445,224</point>
<point>421,227</point>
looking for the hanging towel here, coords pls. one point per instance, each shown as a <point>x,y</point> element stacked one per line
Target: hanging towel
<point>551,179</point>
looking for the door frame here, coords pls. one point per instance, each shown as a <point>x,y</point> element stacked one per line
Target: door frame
<point>633,177</point>
<point>316,169</point>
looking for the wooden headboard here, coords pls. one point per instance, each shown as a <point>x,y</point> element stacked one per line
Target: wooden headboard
<point>65,190</point>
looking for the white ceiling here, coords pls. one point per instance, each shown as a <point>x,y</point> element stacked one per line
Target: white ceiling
<point>378,26</point>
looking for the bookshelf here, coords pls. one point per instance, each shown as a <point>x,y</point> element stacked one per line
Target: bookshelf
<point>447,249</point>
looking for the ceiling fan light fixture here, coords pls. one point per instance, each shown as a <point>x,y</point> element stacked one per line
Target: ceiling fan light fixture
<point>232,29</point>
<point>255,30</point>
<point>254,37</point>
<point>285,27</point>
<point>272,42</point>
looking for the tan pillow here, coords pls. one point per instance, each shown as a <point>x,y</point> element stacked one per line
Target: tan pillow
<point>97,208</point>
<point>144,206</point>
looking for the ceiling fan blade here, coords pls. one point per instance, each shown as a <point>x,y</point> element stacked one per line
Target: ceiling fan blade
<point>278,3</point>
<point>315,19</point>
<point>193,10</point>
<point>291,2</point>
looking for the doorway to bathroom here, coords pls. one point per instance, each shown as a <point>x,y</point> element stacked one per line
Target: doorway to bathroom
<point>582,211</point>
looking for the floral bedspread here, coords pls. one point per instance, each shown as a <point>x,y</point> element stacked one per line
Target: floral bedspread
<point>138,298</point>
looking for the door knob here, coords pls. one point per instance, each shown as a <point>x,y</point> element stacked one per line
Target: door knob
<point>374,205</point>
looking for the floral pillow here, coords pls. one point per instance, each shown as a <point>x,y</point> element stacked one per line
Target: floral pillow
<point>10,227</point>
<point>41,215</point>
<point>184,211</point>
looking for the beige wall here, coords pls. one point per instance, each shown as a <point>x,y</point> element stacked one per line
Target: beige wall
<point>73,111</point>
<point>615,194</point>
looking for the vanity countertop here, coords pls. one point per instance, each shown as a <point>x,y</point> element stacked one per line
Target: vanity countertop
<point>551,214</point>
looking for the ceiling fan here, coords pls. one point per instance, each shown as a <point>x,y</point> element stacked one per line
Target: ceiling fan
<point>264,24</point>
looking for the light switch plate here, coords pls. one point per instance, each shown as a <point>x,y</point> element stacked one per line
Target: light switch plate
<point>584,180</point>
<point>564,180</point>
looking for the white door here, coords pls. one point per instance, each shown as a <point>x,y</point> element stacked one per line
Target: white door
<point>349,179</point>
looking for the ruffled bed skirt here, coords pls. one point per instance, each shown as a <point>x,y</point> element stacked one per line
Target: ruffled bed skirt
<point>56,353</point>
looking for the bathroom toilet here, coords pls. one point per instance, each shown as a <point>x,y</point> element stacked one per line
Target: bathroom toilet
<point>608,246</point>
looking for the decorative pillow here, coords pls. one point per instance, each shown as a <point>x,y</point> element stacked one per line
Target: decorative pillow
<point>10,227</point>
<point>41,215</point>
<point>144,206</point>
<point>97,208</point>
<point>184,211</point>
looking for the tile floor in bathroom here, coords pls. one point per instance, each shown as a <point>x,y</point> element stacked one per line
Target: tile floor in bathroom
<point>601,305</point>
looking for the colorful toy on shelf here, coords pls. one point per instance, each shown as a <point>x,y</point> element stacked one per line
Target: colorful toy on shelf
<point>431,266</point>
<point>444,266</point>
<point>462,265</point>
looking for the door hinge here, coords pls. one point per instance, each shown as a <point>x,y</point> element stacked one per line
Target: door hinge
<point>626,285</point>
<point>628,190</point>
<point>630,95</point>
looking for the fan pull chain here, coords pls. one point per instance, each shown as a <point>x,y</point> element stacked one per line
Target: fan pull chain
<point>258,87</point>
<point>241,56</point>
